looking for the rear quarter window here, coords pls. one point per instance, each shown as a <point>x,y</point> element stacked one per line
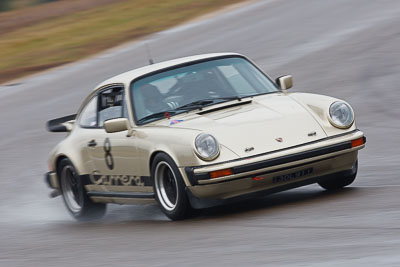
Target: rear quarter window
<point>88,116</point>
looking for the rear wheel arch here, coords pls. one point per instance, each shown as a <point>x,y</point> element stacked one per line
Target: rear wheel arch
<point>76,164</point>
<point>74,194</point>
<point>58,161</point>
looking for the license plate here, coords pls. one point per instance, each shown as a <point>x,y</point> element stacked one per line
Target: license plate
<point>291,176</point>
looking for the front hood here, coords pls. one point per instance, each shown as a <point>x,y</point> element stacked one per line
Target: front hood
<point>269,122</point>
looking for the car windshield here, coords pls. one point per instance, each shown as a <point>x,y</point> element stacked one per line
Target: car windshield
<point>196,85</point>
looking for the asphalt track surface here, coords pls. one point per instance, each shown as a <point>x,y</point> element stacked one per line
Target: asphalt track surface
<point>349,49</point>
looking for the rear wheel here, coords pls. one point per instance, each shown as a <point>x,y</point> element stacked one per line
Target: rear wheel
<point>340,181</point>
<point>74,194</point>
<point>169,188</point>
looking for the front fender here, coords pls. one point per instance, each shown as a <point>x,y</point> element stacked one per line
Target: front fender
<point>318,106</point>
<point>177,143</point>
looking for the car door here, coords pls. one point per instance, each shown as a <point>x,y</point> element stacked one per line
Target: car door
<point>89,133</point>
<point>113,154</point>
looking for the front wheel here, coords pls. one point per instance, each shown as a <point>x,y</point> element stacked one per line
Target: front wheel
<point>340,181</point>
<point>74,194</point>
<point>169,188</point>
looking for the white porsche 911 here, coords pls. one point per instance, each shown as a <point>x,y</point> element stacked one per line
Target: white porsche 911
<point>197,132</point>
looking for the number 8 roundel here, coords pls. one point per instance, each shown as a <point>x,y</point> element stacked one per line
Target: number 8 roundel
<point>107,155</point>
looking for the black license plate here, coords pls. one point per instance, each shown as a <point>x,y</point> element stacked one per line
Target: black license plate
<point>291,176</point>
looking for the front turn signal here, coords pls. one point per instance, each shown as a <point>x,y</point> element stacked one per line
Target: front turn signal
<point>220,173</point>
<point>358,142</point>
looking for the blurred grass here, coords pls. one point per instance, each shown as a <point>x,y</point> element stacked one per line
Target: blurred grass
<point>68,38</point>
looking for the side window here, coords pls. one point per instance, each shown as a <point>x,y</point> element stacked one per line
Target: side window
<point>125,111</point>
<point>110,105</point>
<point>88,116</point>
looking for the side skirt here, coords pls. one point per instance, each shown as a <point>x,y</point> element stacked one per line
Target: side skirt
<point>121,194</point>
<point>122,197</point>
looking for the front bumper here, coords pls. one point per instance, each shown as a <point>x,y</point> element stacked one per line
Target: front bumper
<point>278,169</point>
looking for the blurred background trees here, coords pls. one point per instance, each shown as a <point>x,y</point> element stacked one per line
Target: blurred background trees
<point>7,5</point>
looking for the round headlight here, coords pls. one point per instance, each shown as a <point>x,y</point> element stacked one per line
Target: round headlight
<point>341,114</point>
<point>207,147</point>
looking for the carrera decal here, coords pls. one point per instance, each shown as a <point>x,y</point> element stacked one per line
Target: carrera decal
<point>107,155</point>
<point>125,180</point>
<point>175,122</point>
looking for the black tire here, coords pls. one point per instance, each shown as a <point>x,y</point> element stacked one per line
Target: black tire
<point>74,194</point>
<point>169,188</point>
<point>340,180</point>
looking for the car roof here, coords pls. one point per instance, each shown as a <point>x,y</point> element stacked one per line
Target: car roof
<point>128,76</point>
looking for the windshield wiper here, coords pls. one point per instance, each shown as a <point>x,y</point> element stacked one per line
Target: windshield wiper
<point>199,104</point>
<point>228,98</point>
<point>158,115</point>
<point>205,102</point>
<point>196,104</point>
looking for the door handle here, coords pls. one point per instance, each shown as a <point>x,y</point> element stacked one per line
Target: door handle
<point>92,143</point>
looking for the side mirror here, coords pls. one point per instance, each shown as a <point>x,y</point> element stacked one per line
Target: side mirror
<point>116,125</point>
<point>285,82</point>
